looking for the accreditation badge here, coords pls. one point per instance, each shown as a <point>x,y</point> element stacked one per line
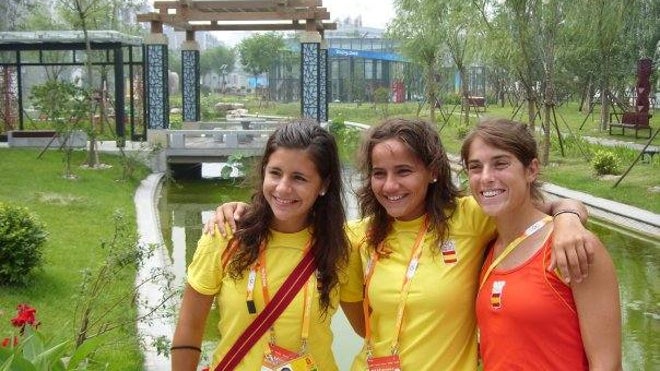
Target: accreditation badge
<point>388,363</point>
<point>304,362</point>
<point>281,359</point>
<point>276,356</point>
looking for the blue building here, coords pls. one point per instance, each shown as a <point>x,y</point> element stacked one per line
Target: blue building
<point>360,60</point>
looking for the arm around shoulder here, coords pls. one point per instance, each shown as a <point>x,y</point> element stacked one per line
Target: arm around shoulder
<point>599,312</point>
<point>573,246</point>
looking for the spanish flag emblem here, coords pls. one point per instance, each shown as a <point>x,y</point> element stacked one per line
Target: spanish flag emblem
<point>449,254</point>
<point>496,294</point>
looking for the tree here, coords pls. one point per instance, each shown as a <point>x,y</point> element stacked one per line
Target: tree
<point>64,104</point>
<point>97,15</point>
<point>457,22</point>
<point>14,12</point>
<point>420,39</point>
<point>219,60</point>
<point>259,52</point>
<point>550,26</point>
<point>614,36</point>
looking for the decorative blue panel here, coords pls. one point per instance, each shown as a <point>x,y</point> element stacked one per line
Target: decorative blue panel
<point>309,80</point>
<point>156,87</point>
<point>323,85</point>
<point>190,83</point>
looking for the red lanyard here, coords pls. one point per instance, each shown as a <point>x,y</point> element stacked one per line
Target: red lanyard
<point>405,288</point>
<point>260,266</point>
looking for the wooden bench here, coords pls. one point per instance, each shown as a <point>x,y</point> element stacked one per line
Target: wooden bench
<point>632,121</point>
<point>478,103</point>
<point>648,153</point>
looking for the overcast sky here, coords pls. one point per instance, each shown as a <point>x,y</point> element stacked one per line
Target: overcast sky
<point>375,13</point>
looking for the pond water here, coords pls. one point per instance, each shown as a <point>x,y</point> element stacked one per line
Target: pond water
<point>186,204</point>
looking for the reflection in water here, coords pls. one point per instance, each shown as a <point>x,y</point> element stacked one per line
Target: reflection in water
<point>637,264</point>
<point>184,206</point>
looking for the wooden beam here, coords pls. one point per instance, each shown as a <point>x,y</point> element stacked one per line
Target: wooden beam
<point>252,27</point>
<point>187,11</point>
<point>238,4</point>
<point>197,15</point>
<point>148,17</point>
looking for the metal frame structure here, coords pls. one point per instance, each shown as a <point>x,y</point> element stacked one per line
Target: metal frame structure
<point>13,44</point>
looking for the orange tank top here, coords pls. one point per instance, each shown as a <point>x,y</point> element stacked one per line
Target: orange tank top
<point>527,319</point>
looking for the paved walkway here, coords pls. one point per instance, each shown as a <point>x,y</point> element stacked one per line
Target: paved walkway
<point>150,291</point>
<point>620,143</point>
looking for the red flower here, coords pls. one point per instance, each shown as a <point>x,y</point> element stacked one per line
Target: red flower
<point>7,341</point>
<point>25,316</point>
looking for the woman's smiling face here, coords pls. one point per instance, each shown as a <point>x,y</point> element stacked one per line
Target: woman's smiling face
<point>498,180</point>
<point>291,186</point>
<point>399,180</point>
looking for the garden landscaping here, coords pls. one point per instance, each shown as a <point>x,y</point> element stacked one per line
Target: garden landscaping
<point>89,222</point>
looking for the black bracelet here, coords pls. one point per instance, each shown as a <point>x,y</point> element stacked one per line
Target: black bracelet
<point>567,212</point>
<point>191,347</point>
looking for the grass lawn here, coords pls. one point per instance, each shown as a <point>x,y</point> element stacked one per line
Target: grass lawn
<point>78,216</point>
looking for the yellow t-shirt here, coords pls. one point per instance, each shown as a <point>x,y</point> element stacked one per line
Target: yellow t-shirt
<point>283,253</point>
<point>439,324</point>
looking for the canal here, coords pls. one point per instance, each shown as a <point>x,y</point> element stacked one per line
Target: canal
<point>184,206</point>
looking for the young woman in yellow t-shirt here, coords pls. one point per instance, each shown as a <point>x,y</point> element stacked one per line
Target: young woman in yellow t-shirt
<point>299,191</point>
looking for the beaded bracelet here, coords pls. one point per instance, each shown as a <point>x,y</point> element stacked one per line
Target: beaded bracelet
<point>191,347</point>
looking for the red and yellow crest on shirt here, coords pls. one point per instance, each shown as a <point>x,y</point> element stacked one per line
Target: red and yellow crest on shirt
<point>496,294</point>
<point>449,254</point>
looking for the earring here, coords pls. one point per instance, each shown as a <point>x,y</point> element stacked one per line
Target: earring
<point>434,180</point>
<point>322,193</point>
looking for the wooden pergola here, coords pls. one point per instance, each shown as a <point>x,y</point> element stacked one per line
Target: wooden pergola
<point>191,16</point>
<point>237,15</point>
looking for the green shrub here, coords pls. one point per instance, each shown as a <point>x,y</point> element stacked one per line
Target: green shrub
<point>336,126</point>
<point>605,162</point>
<point>347,137</point>
<point>21,238</point>
<point>462,131</point>
<point>176,121</point>
<point>451,99</point>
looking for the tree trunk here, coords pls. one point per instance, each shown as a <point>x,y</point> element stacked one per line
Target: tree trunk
<point>502,96</point>
<point>92,155</point>
<point>604,106</point>
<point>585,99</point>
<point>531,110</point>
<point>464,95</point>
<point>547,109</point>
<point>430,91</point>
<point>549,69</point>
